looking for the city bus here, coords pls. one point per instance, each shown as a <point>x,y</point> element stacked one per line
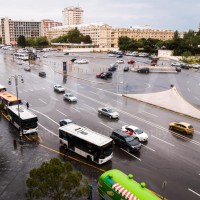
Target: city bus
<point>21,56</point>
<point>24,116</point>
<point>2,88</point>
<point>87,143</point>
<point>7,99</point>
<point>115,185</point>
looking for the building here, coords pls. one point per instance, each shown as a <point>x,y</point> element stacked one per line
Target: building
<point>140,32</point>
<point>11,30</point>
<point>47,24</point>
<point>104,36</point>
<point>72,16</point>
<point>100,33</point>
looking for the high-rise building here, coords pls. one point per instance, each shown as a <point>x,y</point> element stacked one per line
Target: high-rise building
<point>72,16</point>
<point>47,24</point>
<point>11,30</point>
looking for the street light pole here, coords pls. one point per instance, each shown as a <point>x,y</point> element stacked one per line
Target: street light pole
<point>16,77</point>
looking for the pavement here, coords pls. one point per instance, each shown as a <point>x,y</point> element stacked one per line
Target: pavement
<point>157,69</point>
<point>170,100</point>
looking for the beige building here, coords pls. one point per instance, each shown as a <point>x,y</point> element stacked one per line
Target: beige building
<point>11,30</point>
<point>140,32</point>
<point>72,16</point>
<point>103,35</point>
<point>100,33</point>
<point>47,24</point>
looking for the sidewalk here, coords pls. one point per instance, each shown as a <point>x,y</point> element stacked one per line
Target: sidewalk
<point>170,100</point>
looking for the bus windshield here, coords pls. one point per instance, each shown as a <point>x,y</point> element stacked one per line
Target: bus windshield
<point>106,150</point>
<point>30,123</point>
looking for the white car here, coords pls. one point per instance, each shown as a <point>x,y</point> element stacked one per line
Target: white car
<point>44,56</point>
<point>176,64</point>
<point>59,88</point>
<point>195,66</point>
<point>120,61</point>
<point>135,132</point>
<point>19,62</point>
<point>82,61</point>
<point>111,55</point>
<point>70,97</point>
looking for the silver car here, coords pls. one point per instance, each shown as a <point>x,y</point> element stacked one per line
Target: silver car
<point>59,88</point>
<point>108,112</point>
<point>70,97</point>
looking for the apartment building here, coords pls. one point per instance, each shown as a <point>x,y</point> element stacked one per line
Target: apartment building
<point>11,30</point>
<point>47,24</point>
<point>140,32</point>
<point>72,16</point>
<point>100,33</point>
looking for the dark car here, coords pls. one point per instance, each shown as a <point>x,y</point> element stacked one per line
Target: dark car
<point>64,122</point>
<point>42,74</point>
<point>127,142</point>
<point>112,69</point>
<point>119,56</point>
<point>73,59</point>
<point>66,53</point>
<point>143,70</point>
<point>104,75</point>
<point>178,69</point>
<point>185,66</point>
<point>126,69</point>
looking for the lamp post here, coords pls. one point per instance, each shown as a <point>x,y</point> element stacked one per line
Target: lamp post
<point>16,77</point>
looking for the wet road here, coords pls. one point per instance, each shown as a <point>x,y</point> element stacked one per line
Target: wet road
<point>166,156</point>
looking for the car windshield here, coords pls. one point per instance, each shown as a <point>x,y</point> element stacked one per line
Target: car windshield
<point>129,139</point>
<point>110,111</point>
<point>59,86</point>
<point>70,95</point>
<point>138,131</point>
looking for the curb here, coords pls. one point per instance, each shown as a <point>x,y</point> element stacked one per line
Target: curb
<point>188,116</point>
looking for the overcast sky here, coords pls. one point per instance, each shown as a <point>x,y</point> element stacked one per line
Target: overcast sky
<point>180,15</point>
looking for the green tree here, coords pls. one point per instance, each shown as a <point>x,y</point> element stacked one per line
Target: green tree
<point>21,41</point>
<point>0,40</point>
<point>87,39</point>
<point>55,180</point>
<point>42,42</point>
<point>74,36</point>
<point>31,42</point>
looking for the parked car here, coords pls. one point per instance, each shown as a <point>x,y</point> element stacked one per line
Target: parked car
<point>111,55</point>
<point>126,69</point>
<point>127,142</point>
<point>19,62</point>
<point>182,127</point>
<point>178,69</point>
<point>135,132</point>
<point>195,66</point>
<point>42,74</point>
<point>108,112</point>
<point>27,68</point>
<point>82,61</point>
<point>66,53</point>
<point>73,59</point>
<point>120,61</point>
<point>59,88</point>
<point>143,70</point>
<point>104,75</point>
<point>185,66</point>
<point>112,69</point>
<point>44,56</point>
<point>64,122</point>
<point>70,97</point>
<point>119,56</point>
<point>130,62</point>
<point>176,64</point>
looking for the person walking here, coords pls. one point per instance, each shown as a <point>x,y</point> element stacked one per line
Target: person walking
<point>27,105</point>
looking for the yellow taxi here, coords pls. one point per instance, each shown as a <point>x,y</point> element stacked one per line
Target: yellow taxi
<point>182,127</point>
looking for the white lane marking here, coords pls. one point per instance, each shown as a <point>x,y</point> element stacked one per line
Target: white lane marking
<point>131,154</point>
<point>147,147</point>
<point>162,140</point>
<point>188,89</point>
<point>106,125</point>
<point>43,88</point>
<point>45,116</point>
<point>25,90</point>
<point>93,92</point>
<point>196,98</point>
<point>54,98</point>
<point>61,112</point>
<point>75,109</point>
<point>194,192</point>
<point>122,122</point>
<point>117,101</point>
<point>90,107</point>
<point>42,101</point>
<point>149,113</point>
<point>47,130</point>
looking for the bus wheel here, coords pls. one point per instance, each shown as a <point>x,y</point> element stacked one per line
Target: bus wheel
<point>89,158</point>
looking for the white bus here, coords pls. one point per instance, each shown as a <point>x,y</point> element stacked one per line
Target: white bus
<point>27,119</point>
<point>2,88</point>
<point>21,56</point>
<point>87,143</point>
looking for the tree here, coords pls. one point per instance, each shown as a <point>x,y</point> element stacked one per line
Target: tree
<point>55,180</point>
<point>42,42</point>
<point>21,41</point>
<point>87,39</point>
<point>74,36</point>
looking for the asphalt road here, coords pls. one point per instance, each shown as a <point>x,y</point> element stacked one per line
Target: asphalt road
<point>167,156</point>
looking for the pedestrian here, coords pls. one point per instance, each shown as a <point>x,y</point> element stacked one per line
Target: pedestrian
<point>27,105</point>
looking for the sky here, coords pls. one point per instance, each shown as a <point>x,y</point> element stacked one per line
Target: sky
<point>181,15</point>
